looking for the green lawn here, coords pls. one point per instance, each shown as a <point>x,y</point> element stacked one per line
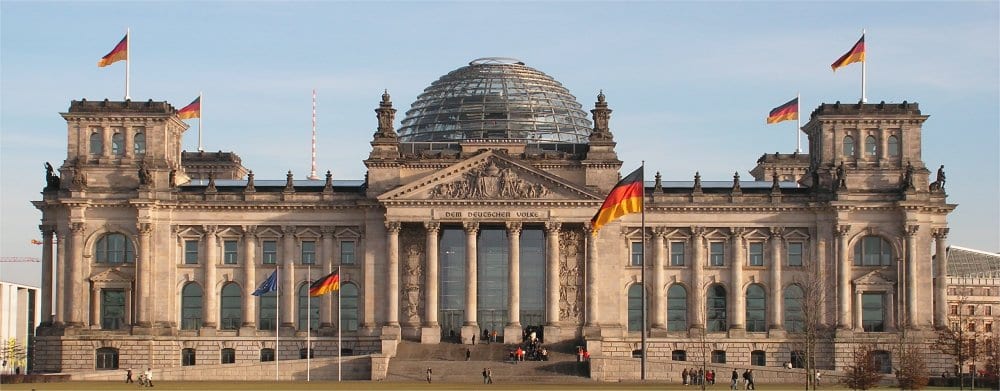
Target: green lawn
<point>367,385</point>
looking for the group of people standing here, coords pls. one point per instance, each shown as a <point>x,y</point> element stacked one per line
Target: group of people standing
<point>697,377</point>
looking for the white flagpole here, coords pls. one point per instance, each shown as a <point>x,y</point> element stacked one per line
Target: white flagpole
<point>864,72</point>
<point>308,325</point>
<point>128,60</point>
<point>277,325</point>
<point>798,121</point>
<point>201,113</point>
<point>340,326</point>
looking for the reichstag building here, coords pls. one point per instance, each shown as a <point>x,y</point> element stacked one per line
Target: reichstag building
<point>474,214</point>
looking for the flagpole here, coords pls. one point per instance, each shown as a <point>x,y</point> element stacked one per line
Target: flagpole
<point>128,60</point>
<point>864,72</point>
<point>309,325</point>
<point>642,183</point>
<point>277,325</point>
<point>798,121</point>
<point>200,114</point>
<point>340,328</point>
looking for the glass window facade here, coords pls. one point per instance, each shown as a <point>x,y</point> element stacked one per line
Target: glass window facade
<point>118,144</point>
<point>269,250</point>
<point>872,251</point>
<point>719,356</point>
<point>266,354</point>
<point>871,147</point>
<point>112,309</point>
<point>532,283</point>
<point>756,308</point>
<point>229,252</point>
<point>716,306</point>
<point>717,254</point>
<point>678,355</point>
<point>677,308</point>
<point>676,253</point>
<point>492,278</point>
<point>191,304</point>
<point>232,307</point>
<point>451,261</point>
<point>756,254</point>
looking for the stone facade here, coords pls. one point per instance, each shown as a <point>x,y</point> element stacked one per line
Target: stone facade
<point>153,262</point>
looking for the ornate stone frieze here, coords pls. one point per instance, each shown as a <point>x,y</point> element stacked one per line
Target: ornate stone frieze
<point>571,266</point>
<point>411,240</point>
<point>494,179</point>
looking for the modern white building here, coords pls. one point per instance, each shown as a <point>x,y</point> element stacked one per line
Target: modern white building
<point>20,314</point>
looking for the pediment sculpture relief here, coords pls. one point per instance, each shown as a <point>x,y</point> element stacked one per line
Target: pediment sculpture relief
<point>490,182</point>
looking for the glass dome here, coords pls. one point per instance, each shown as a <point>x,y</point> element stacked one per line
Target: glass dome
<point>496,98</point>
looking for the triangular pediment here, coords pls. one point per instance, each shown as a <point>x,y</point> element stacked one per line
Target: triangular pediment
<point>489,176</point>
<point>111,275</point>
<point>873,278</point>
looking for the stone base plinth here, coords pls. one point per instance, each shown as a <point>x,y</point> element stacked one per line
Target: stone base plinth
<point>430,334</point>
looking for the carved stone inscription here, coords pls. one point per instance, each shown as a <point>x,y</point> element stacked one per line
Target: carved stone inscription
<point>490,181</point>
<point>571,264</point>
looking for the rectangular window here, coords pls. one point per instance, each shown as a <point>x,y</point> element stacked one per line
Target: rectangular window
<point>988,310</point>
<point>676,253</point>
<point>309,253</point>
<point>228,356</point>
<point>972,326</point>
<point>954,326</point>
<point>794,254</point>
<point>229,252</point>
<point>347,253</point>
<point>188,357</point>
<point>873,312</point>
<point>717,254</point>
<point>756,254</point>
<point>719,356</point>
<point>953,310</point>
<point>112,309</point>
<point>971,309</point>
<point>270,252</point>
<point>988,327</point>
<point>191,252</point>
<point>636,254</point>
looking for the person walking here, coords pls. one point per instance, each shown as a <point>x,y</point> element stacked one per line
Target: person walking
<point>473,339</point>
<point>128,376</point>
<point>486,376</point>
<point>149,376</point>
<point>468,354</point>
<point>684,376</point>
<point>489,375</point>
<point>818,375</point>
<point>735,381</point>
<point>429,374</point>
<point>750,383</point>
<point>701,376</point>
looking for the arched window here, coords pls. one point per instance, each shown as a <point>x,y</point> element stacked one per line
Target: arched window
<point>228,356</point>
<point>349,312</point>
<point>893,146</point>
<point>308,309</point>
<point>114,248</point>
<point>96,143</point>
<point>758,358</point>
<point>107,358</point>
<point>191,302</point>
<point>677,308</point>
<point>266,354</point>
<point>756,308</point>
<point>872,251</point>
<point>139,144</point>
<point>268,311</point>
<point>794,319</point>
<point>232,307</point>
<point>871,147</point>
<point>118,144</point>
<point>635,307</point>
<point>848,146</point>
<point>716,303</point>
<point>188,357</point>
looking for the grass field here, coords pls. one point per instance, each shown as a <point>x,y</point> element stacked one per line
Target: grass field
<point>367,385</point>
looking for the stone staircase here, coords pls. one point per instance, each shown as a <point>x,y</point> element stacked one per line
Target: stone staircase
<point>447,361</point>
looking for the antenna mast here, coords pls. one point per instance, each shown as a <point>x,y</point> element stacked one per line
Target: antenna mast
<point>312,172</point>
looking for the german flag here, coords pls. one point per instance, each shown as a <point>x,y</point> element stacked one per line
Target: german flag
<point>784,112</point>
<point>192,110</point>
<point>119,53</point>
<point>626,197</point>
<point>325,285</point>
<point>856,54</point>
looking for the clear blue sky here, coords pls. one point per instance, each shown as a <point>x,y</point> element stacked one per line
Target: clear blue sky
<point>690,83</point>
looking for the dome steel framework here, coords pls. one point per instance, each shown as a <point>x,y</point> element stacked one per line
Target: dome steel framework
<point>496,98</point>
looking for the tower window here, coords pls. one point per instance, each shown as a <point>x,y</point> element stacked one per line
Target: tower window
<point>849,146</point>
<point>871,147</point>
<point>118,143</point>
<point>96,143</point>
<point>139,143</point>
<point>893,146</point>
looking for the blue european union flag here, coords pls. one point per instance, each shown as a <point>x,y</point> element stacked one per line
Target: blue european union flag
<point>269,285</point>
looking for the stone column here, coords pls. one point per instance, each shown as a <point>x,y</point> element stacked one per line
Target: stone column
<point>61,289</point>
<point>431,330</point>
<point>911,276</point>
<point>737,298</point>
<point>47,231</point>
<point>843,278</point>
<point>858,326</point>
<point>288,289</point>
<point>392,260</point>
<point>326,257</point>
<point>552,273</point>
<point>513,329</point>
<point>658,310</point>
<point>471,326</point>
<point>250,276</point>
<point>593,296</point>
<point>76,290</point>
<point>777,262</point>
<point>890,311</point>
<point>820,261</point>
<point>95,307</point>
<point>697,302</point>
<point>210,311</point>
<point>940,277</point>
<point>144,275</point>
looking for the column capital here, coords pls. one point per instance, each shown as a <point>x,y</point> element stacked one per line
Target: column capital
<point>738,232</point>
<point>514,227</point>
<point>552,227</point>
<point>327,230</point>
<point>841,230</point>
<point>911,230</point>
<point>432,227</point>
<point>47,229</point>
<point>249,231</point>
<point>940,233</point>
<point>777,232</point>
<point>210,230</point>
<point>660,232</point>
<point>393,227</point>
<point>289,230</point>
<point>588,228</point>
<point>470,227</point>
<point>698,231</point>
<point>77,228</point>
<point>144,228</point>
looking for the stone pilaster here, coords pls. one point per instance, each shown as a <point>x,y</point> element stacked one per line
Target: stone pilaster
<point>552,273</point>
<point>288,290</point>
<point>657,304</point>
<point>777,263</point>
<point>737,300</point>
<point>144,275</point>
<point>47,289</point>
<point>326,257</point>
<point>210,311</point>
<point>471,326</point>
<point>940,277</point>
<point>61,288</point>
<point>593,296</point>
<point>392,260</point>
<point>912,320</point>
<point>697,283</point>
<point>76,291</point>
<point>250,282</point>
<point>843,278</point>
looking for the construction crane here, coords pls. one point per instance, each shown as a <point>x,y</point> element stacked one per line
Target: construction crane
<point>18,259</point>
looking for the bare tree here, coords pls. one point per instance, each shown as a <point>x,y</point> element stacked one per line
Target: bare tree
<point>863,373</point>
<point>808,331</point>
<point>959,343</point>
<point>912,372</point>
